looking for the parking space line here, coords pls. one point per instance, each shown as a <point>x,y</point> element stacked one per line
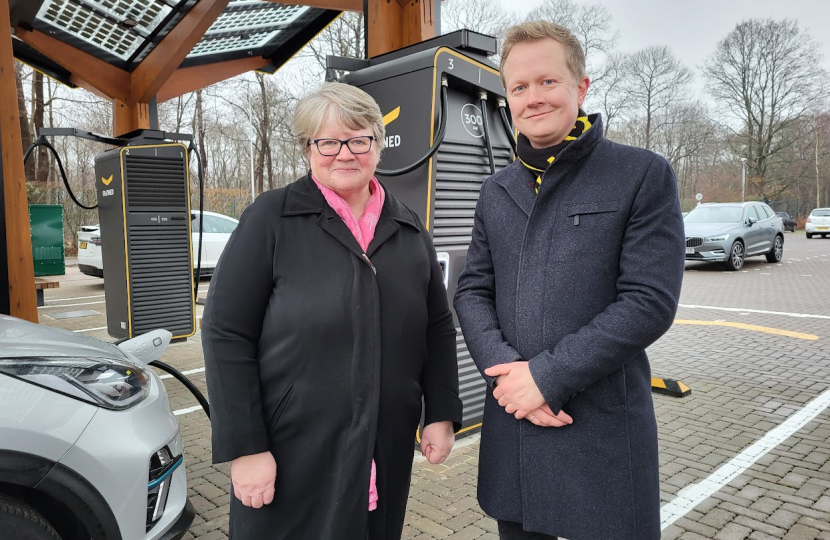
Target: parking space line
<point>694,494</point>
<point>91,329</point>
<point>75,298</point>
<point>764,312</point>
<point>73,305</point>
<point>752,327</point>
<point>188,410</point>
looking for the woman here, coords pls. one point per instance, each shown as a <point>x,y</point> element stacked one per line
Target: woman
<point>326,323</point>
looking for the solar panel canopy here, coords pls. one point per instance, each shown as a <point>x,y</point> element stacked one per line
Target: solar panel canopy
<point>124,32</point>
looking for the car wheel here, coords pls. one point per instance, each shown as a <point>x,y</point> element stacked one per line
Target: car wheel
<point>736,257</point>
<point>19,520</point>
<point>824,236</point>
<point>777,252</point>
<point>809,235</point>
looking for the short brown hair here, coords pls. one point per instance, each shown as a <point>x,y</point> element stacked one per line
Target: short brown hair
<point>532,31</point>
<point>343,103</point>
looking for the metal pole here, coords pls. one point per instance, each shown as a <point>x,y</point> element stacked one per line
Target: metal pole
<point>253,191</point>
<point>743,178</point>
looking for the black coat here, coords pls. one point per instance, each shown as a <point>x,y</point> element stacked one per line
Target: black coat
<point>312,355</point>
<point>578,281</point>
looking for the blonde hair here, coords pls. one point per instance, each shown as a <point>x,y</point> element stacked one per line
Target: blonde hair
<point>533,31</point>
<point>348,105</point>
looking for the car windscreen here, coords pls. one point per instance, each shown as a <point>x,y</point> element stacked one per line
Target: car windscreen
<point>821,213</point>
<point>715,214</point>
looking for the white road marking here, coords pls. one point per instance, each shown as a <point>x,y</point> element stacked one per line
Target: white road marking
<point>188,372</point>
<point>91,329</point>
<point>694,494</point>
<point>188,410</point>
<point>72,305</point>
<point>75,298</point>
<point>762,311</point>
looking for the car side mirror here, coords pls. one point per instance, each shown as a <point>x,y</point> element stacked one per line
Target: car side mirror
<point>752,221</point>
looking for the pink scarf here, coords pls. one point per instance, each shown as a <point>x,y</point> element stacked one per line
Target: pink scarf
<point>363,230</point>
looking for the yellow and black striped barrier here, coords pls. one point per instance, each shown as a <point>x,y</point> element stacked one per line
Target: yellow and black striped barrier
<point>669,387</point>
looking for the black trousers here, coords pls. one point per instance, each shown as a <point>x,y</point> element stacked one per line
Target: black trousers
<point>513,531</point>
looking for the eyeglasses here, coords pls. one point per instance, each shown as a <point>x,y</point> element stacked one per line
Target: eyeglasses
<point>331,147</point>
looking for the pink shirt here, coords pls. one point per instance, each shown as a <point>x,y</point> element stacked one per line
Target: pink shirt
<point>363,230</point>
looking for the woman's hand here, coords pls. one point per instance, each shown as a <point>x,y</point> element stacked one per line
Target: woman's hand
<point>436,441</point>
<point>253,479</point>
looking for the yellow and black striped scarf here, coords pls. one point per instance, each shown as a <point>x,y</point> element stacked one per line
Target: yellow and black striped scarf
<point>537,160</point>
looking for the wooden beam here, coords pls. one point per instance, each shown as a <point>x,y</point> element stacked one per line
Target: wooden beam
<point>21,275</point>
<point>190,79</point>
<point>338,5</point>
<point>396,24</point>
<point>167,56</point>
<point>127,117</point>
<point>87,71</point>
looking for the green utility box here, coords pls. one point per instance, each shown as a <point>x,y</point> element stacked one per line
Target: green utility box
<point>46,223</point>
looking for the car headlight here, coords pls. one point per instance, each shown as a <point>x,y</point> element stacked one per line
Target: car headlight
<point>111,384</point>
<point>719,238</point>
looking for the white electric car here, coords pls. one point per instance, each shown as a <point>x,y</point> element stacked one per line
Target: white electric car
<point>89,447</point>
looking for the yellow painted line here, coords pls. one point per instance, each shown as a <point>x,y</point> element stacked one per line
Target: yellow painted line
<point>751,327</point>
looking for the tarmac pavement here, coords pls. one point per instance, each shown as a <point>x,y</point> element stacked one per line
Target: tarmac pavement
<point>746,456</point>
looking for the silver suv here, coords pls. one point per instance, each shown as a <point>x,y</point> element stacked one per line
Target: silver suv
<point>89,448</point>
<point>730,232</point>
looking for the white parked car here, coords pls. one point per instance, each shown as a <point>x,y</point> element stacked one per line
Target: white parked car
<point>89,447</point>
<point>217,230</point>
<point>818,222</point>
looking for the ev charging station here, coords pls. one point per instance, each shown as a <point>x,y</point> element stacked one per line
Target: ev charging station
<point>446,132</point>
<point>143,193</point>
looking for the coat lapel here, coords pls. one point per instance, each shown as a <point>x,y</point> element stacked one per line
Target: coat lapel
<point>518,182</point>
<point>333,224</point>
<point>392,217</point>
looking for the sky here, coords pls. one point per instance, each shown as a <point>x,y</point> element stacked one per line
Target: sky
<point>692,28</point>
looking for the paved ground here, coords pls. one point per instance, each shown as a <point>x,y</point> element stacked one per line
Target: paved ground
<point>747,455</point>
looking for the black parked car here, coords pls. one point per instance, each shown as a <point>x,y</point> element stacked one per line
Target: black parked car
<point>787,220</point>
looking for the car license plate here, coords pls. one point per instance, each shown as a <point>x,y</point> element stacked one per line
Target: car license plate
<point>822,228</point>
<point>83,245</point>
<point>690,251</point>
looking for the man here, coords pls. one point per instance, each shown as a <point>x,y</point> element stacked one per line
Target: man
<point>574,268</point>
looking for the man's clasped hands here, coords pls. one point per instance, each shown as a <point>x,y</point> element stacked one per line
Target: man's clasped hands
<point>517,393</point>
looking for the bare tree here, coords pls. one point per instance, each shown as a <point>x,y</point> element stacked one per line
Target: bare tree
<point>657,81</point>
<point>483,16</point>
<point>25,127</point>
<point>686,131</point>
<point>199,129</point>
<point>590,23</point>
<point>766,74</point>
<point>343,37</point>
<point>611,90</point>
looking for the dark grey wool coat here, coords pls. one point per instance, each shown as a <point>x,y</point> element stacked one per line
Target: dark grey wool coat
<point>313,356</point>
<point>577,281</point>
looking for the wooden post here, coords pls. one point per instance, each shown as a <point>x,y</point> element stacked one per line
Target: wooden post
<point>21,270</point>
<point>127,117</point>
<point>398,23</point>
